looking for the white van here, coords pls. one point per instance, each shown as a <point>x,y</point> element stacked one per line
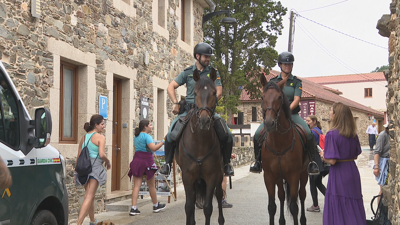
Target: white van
<point>38,194</point>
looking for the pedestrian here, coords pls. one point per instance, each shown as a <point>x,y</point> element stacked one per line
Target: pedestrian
<point>381,158</point>
<point>372,132</point>
<point>292,89</point>
<point>143,165</point>
<point>202,53</point>
<point>225,204</point>
<point>5,175</point>
<point>343,197</point>
<point>95,143</point>
<point>316,180</point>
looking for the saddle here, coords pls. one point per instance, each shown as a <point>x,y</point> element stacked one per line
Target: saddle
<point>180,125</point>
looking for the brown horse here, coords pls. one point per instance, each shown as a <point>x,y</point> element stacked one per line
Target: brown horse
<point>282,154</point>
<point>199,155</point>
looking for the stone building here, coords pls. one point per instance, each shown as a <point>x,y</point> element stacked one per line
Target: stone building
<point>71,53</point>
<point>316,100</point>
<point>389,26</point>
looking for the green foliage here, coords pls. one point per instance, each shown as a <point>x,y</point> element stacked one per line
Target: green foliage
<point>244,49</point>
<point>381,69</point>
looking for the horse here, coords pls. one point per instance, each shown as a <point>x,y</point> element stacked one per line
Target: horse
<point>198,152</point>
<point>283,153</point>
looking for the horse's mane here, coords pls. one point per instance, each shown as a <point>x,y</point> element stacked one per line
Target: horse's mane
<point>204,82</point>
<point>286,105</point>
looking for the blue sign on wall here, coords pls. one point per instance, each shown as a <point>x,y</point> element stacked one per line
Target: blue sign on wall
<point>103,106</point>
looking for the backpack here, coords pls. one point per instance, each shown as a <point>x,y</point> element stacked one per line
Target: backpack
<point>321,139</point>
<point>83,163</point>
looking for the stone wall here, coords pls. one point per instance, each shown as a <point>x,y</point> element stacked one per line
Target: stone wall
<point>98,28</point>
<point>389,26</point>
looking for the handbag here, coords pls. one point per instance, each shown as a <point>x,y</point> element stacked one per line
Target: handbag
<point>83,164</point>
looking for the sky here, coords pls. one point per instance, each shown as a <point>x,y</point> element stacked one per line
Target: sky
<point>319,51</point>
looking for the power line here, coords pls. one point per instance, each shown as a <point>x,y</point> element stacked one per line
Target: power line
<point>315,40</point>
<point>324,6</point>
<point>319,44</point>
<point>342,32</point>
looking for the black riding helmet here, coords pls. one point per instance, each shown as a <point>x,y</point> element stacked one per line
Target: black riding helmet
<point>202,49</point>
<point>285,57</point>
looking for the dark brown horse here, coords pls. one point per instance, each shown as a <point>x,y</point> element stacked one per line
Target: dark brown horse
<point>282,154</point>
<point>199,155</point>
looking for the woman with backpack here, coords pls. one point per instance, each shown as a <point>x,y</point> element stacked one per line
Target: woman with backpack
<point>316,180</point>
<point>95,143</point>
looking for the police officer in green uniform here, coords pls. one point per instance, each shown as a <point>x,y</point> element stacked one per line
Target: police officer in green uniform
<point>202,54</point>
<point>292,90</point>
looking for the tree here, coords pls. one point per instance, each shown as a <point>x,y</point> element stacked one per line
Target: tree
<point>244,50</point>
<point>381,69</point>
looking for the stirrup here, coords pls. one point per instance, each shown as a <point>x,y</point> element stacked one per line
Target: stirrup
<point>312,165</point>
<point>252,170</point>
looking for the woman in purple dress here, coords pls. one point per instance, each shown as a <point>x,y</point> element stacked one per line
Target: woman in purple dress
<point>343,197</point>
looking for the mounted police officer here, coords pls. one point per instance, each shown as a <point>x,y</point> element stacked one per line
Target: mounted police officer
<point>202,54</point>
<point>292,90</point>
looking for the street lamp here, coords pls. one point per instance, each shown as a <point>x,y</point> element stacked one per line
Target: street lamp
<point>226,20</point>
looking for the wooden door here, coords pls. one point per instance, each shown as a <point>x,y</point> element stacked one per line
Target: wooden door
<point>116,135</point>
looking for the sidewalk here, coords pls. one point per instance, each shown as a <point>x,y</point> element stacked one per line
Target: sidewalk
<point>121,217</point>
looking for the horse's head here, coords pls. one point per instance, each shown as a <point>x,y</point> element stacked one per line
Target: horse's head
<point>273,103</point>
<point>205,98</point>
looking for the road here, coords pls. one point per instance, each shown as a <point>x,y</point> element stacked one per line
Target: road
<point>249,198</point>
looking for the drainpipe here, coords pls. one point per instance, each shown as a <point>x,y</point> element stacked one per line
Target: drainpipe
<point>211,4</point>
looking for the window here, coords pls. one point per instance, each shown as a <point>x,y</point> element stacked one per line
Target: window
<point>68,103</point>
<point>367,92</point>
<point>9,123</point>
<point>186,20</point>
<point>161,13</point>
<point>253,114</point>
<point>182,20</point>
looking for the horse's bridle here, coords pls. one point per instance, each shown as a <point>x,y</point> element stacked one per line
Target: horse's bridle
<point>277,113</point>
<point>210,111</point>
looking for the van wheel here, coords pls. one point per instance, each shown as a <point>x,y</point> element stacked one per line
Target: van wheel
<point>44,217</point>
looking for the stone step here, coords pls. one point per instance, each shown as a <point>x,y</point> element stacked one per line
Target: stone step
<point>125,205</point>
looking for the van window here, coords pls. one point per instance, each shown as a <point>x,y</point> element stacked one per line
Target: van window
<point>9,124</point>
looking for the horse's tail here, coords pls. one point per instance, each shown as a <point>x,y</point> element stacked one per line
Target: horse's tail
<point>287,191</point>
<point>200,188</point>
<point>288,198</point>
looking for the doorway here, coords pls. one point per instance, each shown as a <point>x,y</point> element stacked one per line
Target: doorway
<point>116,136</point>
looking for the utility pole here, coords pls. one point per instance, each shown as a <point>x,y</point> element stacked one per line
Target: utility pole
<point>290,45</point>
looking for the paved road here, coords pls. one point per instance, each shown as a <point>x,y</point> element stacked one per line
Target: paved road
<point>249,198</point>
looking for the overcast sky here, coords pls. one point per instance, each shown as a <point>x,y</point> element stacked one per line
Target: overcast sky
<point>319,51</point>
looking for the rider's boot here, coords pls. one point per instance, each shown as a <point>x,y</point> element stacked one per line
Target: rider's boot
<point>169,157</point>
<point>313,168</point>
<point>226,155</point>
<point>256,168</point>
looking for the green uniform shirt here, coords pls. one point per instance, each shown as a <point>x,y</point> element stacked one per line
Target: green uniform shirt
<point>293,87</point>
<point>186,77</point>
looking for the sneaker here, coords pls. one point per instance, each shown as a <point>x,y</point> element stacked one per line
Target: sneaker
<point>159,207</point>
<point>313,209</point>
<point>225,204</point>
<point>134,212</point>
<point>93,223</point>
